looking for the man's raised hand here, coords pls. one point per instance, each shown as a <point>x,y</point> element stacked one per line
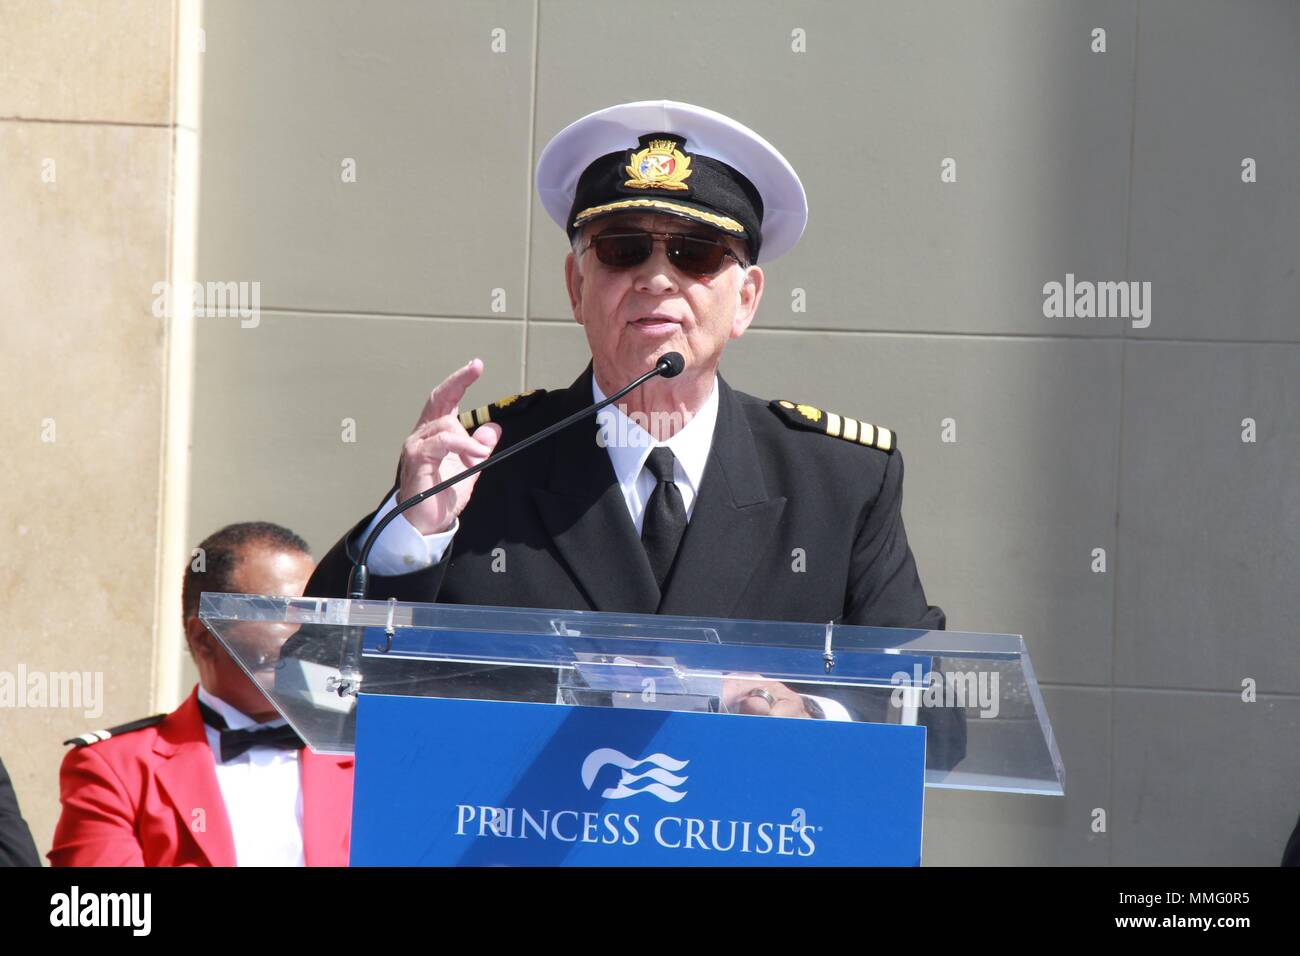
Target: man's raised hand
<point>439,448</point>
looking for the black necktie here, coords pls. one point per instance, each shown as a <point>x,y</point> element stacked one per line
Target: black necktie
<point>665,516</point>
<point>237,742</point>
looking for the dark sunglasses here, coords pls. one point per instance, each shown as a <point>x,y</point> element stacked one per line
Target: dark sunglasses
<point>693,255</point>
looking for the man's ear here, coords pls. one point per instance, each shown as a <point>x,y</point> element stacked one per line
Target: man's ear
<point>573,282</point>
<point>748,296</point>
<point>198,638</point>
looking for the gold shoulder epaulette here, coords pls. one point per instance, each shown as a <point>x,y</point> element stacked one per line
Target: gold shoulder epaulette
<point>837,426</point>
<point>95,736</point>
<point>502,408</point>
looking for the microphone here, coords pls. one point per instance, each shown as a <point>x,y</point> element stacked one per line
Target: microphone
<point>670,365</point>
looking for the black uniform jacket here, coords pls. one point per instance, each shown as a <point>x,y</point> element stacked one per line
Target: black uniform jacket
<point>16,845</point>
<point>788,525</point>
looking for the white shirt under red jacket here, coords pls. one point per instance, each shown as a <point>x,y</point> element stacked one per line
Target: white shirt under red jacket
<point>155,793</point>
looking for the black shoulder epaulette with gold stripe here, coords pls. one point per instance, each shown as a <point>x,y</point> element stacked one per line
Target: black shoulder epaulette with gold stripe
<point>502,408</point>
<point>837,426</point>
<point>95,736</point>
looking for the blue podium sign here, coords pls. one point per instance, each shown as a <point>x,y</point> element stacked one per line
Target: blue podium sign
<point>444,782</point>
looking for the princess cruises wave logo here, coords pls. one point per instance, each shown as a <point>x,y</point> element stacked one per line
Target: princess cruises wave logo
<point>662,774</point>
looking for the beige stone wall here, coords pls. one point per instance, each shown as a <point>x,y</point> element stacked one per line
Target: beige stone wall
<point>93,205</point>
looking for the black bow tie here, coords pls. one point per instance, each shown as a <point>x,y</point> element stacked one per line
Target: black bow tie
<point>237,742</point>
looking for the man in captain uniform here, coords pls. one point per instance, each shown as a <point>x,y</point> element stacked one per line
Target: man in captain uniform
<point>688,497</point>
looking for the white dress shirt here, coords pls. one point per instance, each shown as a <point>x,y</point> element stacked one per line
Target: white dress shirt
<point>401,549</point>
<point>629,445</point>
<point>262,790</point>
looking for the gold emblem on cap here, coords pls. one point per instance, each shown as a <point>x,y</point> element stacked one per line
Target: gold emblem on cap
<point>661,165</point>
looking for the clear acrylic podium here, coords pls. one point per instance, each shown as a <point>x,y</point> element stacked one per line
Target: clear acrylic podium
<point>974,694</point>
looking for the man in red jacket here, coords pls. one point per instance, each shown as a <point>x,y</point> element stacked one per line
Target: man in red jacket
<point>220,781</point>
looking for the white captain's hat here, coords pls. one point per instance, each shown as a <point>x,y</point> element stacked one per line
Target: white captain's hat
<point>674,158</point>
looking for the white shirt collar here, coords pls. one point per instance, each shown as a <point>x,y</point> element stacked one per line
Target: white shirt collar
<point>629,445</point>
<point>235,719</point>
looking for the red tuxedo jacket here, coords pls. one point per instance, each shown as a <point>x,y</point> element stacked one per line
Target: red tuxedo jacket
<point>130,800</point>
